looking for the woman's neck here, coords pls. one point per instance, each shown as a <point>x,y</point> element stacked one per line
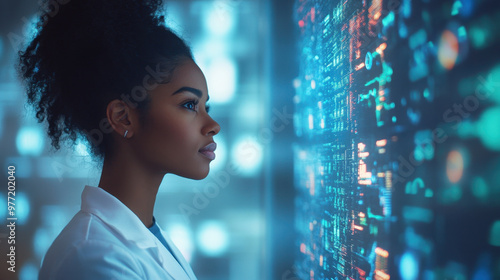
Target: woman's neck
<point>132,183</point>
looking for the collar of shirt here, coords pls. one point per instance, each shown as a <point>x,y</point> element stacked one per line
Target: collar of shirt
<point>117,215</point>
<point>126,223</point>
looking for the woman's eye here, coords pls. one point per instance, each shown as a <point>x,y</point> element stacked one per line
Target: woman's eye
<point>191,105</point>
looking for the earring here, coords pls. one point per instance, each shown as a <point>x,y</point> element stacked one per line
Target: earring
<point>125,135</point>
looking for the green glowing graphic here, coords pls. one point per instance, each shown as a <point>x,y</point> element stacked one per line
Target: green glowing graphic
<point>495,234</point>
<point>492,84</point>
<point>467,129</point>
<point>380,101</point>
<point>417,214</point>
<point>483,31</point>
<point>362,221</point>
<point>479,188</point>
<point>426,17</point>
<point>427,94</point>
<point>420,69</point>
<point>450,194</point>
<point>413,187</point>
<point>488,130</point>
<point>385,76</point>
<point>462,33</point>
<point>457,6</point>
<point>424,148</point>
<point>479,37</point>
<point>389,19</point>
<point>429,193</point>
<point>417,39</point>
<point>373,216</point>
<point>416,241</point>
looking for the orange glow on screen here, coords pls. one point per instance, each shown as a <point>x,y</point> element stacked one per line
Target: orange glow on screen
<point>381,143</point>
<point>448,50</point>
<point>381,252</point>
<point>381,48</point>
<point>359,66</point>
<point>303,248</point>
<point>361,146</point>
<point>379,274</point>
<point>454,166</point>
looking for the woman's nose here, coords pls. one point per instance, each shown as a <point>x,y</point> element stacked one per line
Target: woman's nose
<point>212,128</point>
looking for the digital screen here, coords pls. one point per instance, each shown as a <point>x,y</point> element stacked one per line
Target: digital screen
<point>397,157</point>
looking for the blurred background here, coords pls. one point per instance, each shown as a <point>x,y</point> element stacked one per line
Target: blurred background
<point>360,140</point>
<point>222,223</point>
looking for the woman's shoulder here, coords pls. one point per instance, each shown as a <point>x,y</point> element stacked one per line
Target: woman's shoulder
<point>84,230</point>
<point>87,245</point>
<point>84,227</point>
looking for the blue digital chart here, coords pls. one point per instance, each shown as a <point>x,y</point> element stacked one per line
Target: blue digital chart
<point>397,158</point>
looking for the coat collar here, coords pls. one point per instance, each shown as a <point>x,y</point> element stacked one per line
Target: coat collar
<point>126,223</point>
<point>116,215</point>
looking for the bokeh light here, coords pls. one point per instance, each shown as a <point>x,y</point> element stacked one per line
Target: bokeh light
<point>466,7</point>
<point>492,84</point>
<point>450,194</point>
<point>213,238</point>
<point>495,234</point>
<point>463,8</point>
<point>479,188</point>
<point>250,112</point>
<point>448,50</point>
<point>22,208</point>
<point>205,51</point>
<point>30,141</point>
<point>41,241</point>
<point>28,271</point>
<point>408,266</point>
<point>182,237</point>
<point>482,32</point>
<point>487,128</point>
<point>247,153</point>
<point>221,76</point>
<point>454,166</point>
<point>219,20</point>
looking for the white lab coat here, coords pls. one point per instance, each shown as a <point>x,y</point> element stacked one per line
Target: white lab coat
<point>106,240</point>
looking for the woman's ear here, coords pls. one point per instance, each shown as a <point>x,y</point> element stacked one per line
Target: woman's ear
<point>122,118</point>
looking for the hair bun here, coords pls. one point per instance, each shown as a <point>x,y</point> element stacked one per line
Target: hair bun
<point>86,53</point>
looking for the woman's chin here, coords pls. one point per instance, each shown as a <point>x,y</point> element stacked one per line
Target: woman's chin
<point>195,175</point>
<point>201,177</point>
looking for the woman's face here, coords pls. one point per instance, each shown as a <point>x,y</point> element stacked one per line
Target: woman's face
<point>177,133</point>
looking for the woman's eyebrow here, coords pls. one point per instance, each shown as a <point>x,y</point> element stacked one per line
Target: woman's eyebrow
<point>195,91</point>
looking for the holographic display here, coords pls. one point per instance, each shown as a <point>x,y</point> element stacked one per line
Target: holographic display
<point>397,158</point>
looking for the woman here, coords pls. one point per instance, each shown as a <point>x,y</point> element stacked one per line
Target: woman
<point>110,71</point>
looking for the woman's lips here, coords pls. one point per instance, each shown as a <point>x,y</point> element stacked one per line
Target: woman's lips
<point>208,151</point>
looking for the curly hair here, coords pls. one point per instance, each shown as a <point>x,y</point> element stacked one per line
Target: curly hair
<point>86,53</point>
